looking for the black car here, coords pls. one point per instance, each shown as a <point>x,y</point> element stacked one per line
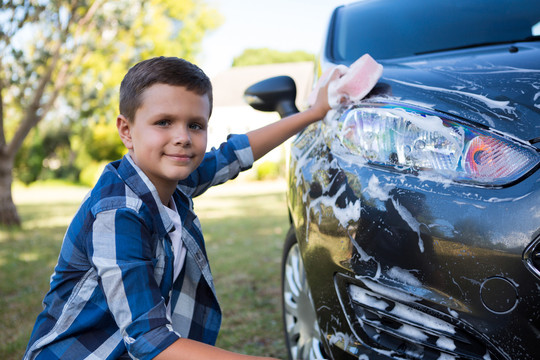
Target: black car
<point>415,213</point>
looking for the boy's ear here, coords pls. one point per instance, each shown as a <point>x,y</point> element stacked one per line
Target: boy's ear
<point>124,130</point>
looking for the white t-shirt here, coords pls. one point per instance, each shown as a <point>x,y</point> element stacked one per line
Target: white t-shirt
<point>179,249</point>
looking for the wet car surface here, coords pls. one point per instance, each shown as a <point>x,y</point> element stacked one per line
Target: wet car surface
<point>415,213</point>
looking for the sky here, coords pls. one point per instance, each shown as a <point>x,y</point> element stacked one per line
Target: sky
<point>284,25</point>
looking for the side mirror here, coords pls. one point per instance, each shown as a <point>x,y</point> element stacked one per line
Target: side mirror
<point>273,94</point>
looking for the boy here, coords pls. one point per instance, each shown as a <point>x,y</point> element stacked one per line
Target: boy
<point>132,277</point>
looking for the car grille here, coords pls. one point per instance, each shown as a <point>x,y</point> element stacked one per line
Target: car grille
<point>408,332</point>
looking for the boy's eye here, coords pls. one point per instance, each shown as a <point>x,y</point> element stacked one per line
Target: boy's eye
<point>162,122</point>
<point>196,126</point>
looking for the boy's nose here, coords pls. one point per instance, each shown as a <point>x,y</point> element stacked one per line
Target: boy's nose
<point>181,136</point>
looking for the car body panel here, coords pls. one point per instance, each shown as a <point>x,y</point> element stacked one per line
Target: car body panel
<point>418,236</point>
<point>411,265</point>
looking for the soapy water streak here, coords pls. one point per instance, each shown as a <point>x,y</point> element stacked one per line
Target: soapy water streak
<point>492,104</point>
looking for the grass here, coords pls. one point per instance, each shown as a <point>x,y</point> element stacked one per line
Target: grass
<point>244,225</point>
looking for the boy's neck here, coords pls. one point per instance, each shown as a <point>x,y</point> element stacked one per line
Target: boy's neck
<point>165,195</point>
<point>165,190</point>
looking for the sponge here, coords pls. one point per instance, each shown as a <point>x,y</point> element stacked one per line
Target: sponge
<point>360,79</point>
<point>349,84</point>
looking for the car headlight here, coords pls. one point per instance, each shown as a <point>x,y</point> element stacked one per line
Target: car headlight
<point>408,139</point>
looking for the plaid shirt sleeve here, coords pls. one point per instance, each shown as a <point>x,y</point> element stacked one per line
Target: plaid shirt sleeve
<point>106,299</point>
<point>220,165</point>
<point>121,252</point>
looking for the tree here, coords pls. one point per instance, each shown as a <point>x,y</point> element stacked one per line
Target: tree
<point>268,56</point>
<point>63,60</point>
<point>43,155</point>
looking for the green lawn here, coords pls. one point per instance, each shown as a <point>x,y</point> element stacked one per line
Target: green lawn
<point>244,225</point>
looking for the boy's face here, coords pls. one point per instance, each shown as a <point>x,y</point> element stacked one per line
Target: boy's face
<point>167,138</point>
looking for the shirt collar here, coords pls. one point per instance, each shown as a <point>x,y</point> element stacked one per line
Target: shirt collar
<point>141,185</point>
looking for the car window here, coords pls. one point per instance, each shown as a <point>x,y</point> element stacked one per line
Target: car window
<point>389,29</point>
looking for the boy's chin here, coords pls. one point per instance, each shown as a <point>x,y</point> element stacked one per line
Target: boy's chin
<point>181,176</point>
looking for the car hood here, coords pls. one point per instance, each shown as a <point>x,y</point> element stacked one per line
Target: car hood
<point>495,86</point>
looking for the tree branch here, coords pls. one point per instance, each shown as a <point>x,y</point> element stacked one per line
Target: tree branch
<point>2,134</point>
<point>32,117</point>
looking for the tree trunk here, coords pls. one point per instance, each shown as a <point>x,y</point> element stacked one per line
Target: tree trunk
<point>8,211</point>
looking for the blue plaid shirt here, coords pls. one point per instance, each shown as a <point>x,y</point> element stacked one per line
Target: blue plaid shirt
<point>114,278</point>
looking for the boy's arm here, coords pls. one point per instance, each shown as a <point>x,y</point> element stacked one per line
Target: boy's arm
<point>186,349</point>
<point>264,139</point>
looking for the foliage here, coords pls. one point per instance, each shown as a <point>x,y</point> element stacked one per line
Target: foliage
<point>91,172</point>
<point>61,64</point>
<point>268,56</point>
<point>269,170</point>
<point>102,141</point>
<point>45,154</point>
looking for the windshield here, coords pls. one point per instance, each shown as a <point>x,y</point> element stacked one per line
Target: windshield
<point>396,28</point>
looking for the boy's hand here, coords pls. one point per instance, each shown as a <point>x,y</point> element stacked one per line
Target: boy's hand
<point>321,105</point>
<point>348,84</point>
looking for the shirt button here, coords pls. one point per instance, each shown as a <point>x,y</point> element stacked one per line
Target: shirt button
<point>199,257</point>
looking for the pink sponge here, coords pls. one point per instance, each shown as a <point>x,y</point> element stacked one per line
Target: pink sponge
<point>349,84</point>
<point>360,79</point>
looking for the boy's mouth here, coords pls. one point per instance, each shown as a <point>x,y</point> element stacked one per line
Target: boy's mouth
<point>179,157</point>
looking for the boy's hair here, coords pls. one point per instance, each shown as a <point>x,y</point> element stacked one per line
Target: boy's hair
<point>161,70</point>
